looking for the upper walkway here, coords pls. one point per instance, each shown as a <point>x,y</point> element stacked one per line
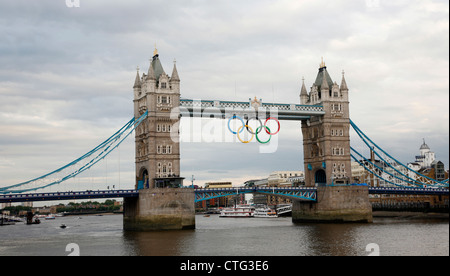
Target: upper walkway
<point>224,109</point>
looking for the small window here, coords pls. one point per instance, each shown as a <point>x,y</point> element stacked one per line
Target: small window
<point>163,85</point>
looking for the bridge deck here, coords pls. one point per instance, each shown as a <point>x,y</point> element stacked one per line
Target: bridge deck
<point>11,198</point>
<point>299,193</point>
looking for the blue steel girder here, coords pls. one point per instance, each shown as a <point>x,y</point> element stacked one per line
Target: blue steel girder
<point>295,193</point>
<point>203,195</point>
<point>304,194</point>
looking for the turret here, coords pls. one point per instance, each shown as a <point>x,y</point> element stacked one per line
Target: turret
<point>137,81</point>
<point>324,87</point>
<point>344,88</point>
<point>304,98</point>
<point>175,79</point>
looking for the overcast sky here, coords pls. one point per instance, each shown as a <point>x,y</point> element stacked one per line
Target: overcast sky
<point>66,76</point>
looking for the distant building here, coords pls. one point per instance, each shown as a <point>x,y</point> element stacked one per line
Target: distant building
<point>358,172</point>
<point>277,179</point>
<point>285,178</point>
<point>426,157</point>
<point>427,164</point>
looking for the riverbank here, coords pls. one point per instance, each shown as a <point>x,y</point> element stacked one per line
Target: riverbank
<point>98,213</point>
<point>409,215</point>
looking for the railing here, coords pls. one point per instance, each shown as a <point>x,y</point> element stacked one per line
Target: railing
<point>67,195</point>
<point>299,193</point>
<point>195,108</point>
<point>408,191</point>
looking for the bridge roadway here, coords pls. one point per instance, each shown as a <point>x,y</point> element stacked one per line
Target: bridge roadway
<point>296,193</point>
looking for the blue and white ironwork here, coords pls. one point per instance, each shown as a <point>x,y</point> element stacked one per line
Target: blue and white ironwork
<point>11,198</point>
<point>304,193</point>
<point>295,193</point>
<point>389,170</point>
<point>79,165</point>
<point>226,109</point>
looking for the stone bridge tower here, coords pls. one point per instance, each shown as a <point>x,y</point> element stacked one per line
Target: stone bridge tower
<point>162,204</point>
<point>326,139</point>
<point>157,141</point>
<point>326,149</point>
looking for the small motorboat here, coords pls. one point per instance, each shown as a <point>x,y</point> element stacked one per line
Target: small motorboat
<point>63,226</point>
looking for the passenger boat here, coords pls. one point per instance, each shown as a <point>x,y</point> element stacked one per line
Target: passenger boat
<point>265,213</point>
<point>239,211</point>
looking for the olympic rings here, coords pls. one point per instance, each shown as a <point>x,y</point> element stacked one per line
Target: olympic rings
<point>250,130</point>
<point>235,117</point>
<point>279,126</point>
<point>267,130</point>
<point>240,130</point>
<point>260,124</point>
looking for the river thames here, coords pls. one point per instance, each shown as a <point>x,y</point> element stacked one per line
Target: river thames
<point>214,236</point>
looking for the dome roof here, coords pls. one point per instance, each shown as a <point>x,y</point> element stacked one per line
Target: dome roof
<point>424,146</point>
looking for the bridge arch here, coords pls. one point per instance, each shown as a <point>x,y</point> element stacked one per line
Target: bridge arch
<point>320,177</point>
<point>143,179</point>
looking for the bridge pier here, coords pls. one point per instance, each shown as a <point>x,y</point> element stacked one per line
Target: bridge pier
<point>160,209</point>
<point>335,204</point>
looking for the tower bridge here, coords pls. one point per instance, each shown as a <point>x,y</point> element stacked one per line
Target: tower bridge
<point>158,200</point>
<point>324,113</point>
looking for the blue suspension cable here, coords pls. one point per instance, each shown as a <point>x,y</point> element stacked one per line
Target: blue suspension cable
<point>381,169</point>
<point>106,144</point>
<point>384,160</point>
<point>360,134</point>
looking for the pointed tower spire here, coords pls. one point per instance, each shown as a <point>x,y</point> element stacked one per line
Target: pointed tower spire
<point>151,72</point>
<point>304,93</point>
<point>343,82</point>
<point>175,76</point>
<point>324,85</point>
<point>137,82</point>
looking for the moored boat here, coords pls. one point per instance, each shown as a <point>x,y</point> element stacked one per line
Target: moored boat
<point>239,211</point>
<point>265,213</point>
